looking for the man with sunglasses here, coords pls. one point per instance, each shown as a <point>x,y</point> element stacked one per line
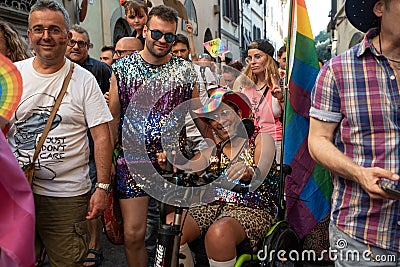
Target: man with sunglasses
<point>124,47</point>
<point>78,51</point>
<point>152,80</point>
<point>61,184</point>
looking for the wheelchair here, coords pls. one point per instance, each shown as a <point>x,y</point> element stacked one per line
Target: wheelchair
<point>275,249</point>
<point>279,242</point>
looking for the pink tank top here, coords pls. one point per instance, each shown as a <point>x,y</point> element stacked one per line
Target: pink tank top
<point>263,116</point>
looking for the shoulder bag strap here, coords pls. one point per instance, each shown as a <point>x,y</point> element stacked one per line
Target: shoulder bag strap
<point>262,97</point>
<point>53,112</point>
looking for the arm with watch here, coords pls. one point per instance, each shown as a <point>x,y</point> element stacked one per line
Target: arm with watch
<point>102,155</point>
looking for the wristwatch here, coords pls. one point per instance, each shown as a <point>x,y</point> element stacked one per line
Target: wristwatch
<point>105,187</point>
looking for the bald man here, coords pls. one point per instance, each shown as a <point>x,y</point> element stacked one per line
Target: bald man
<point>126,46</point>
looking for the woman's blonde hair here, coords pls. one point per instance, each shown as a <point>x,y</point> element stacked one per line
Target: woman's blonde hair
<point>271,67</point>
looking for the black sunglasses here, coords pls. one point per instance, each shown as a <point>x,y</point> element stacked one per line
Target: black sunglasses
<point>157,35</point>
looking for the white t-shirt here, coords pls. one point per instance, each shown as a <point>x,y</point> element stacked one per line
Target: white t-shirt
<point>191,129</point>
<point>61,169</point>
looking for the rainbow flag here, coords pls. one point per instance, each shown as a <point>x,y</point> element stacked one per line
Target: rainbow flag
<point>309,188</point>
<point>17,209</point>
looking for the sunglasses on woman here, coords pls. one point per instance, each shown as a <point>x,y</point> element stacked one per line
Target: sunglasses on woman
<point>157,35</point>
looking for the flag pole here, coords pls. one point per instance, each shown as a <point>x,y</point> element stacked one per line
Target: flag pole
<point>283,170</point>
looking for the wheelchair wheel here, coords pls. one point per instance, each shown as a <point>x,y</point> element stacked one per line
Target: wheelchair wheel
<point>282,247</point>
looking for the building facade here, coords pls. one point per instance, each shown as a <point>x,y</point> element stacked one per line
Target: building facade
<point>236,22</point>
<point>16,13</point>
<point>343,34</point>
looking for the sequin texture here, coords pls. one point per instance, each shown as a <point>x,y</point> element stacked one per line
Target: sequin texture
<point>147,94</point>
<point>265,197</point>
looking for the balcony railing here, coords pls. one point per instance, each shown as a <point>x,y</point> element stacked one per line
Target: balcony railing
<point>20,5</point>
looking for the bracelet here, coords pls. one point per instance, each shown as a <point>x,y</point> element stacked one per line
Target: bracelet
<point>249,174</point>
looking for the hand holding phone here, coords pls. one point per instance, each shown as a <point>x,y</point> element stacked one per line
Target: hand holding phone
<point>391,187</point>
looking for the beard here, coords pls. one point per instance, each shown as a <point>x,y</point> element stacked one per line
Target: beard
<point>155,53</point>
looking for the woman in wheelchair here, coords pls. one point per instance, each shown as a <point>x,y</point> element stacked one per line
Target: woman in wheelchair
<point>231,217</point>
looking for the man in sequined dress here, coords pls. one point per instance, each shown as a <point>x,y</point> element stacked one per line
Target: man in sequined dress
<point>145,87</point>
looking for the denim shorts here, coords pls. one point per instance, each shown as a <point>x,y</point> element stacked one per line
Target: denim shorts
<point>348,252</point>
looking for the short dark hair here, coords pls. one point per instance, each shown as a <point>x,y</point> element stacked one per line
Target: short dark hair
<point>281,51</point>
<point>79,29</point>
<point>165,13</point>
<point>51,5</point>
<point>180,38</point>
<point>108,48</point>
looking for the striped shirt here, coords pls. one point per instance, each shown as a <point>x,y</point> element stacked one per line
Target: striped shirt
<point>358,90</point>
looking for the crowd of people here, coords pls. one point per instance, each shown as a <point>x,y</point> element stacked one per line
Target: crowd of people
<point>137,84</point>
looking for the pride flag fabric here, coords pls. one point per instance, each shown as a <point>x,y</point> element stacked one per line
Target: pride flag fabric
<point>10,87</point>
<point>17,220</point>
<point>309,187</point>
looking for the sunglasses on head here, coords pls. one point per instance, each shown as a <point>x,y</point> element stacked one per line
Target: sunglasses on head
<point>204,56</point>
<point>157,35</point>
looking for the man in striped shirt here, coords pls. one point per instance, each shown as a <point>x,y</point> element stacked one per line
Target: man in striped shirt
<point>355,133</point>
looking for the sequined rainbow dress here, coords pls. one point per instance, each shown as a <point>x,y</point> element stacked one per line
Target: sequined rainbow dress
<point>265,197</point>
<point>147,95</point>
<point>256,211</point>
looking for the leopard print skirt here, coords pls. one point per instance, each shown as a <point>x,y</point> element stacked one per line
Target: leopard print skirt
<point>255,222</point>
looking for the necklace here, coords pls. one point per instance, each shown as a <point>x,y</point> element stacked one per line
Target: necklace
<point>262,88</point>
<point>390,59</point>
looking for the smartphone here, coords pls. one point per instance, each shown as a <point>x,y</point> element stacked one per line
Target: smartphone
<point>391,187</point>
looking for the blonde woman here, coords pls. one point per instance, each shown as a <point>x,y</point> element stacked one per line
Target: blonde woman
<point>261,85</point>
